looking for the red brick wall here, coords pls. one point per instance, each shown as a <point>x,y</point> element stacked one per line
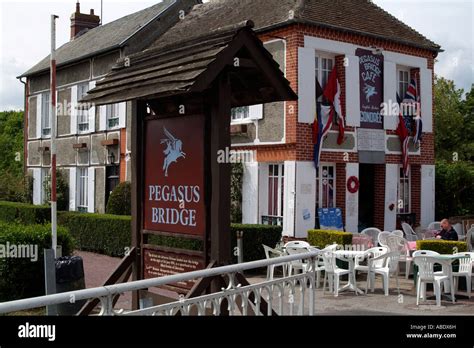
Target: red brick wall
<point>379,199</point>
<point>416,191</point>
<point>299,136</point>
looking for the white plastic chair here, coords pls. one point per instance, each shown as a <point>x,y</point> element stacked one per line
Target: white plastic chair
<point>298,265</point>
<point>398,233</point>
<point>297,244</point>
<point>332,273</point>
<point>426,275</point>
<point>372,253</point>
<point>383,238</point>
<point>459,229</point>
<point>410,235</point>
<point>386,265</point>
<point>271,253</point>
<point>434,226</point>
<point>469,239</point>
<point>400,245</point>
<point>429,253</point>
<point>465,270</point>
<point>373,233</point>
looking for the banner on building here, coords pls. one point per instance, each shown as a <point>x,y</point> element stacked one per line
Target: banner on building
<point>371,88</point>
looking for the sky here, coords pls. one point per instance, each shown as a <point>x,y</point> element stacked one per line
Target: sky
<point>25,34</point>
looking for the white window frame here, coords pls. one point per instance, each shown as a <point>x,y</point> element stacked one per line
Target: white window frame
<point>280,188</point>
<point>82,201</point>
<point>402,92</point>
<point>319,185</point>
<point>110,111</point>
<point>45,115</point>
<point>319,72</point>
<point>82,111</point>
<point>400,199</point>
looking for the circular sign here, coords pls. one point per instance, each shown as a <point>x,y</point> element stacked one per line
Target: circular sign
<point>353,184</point>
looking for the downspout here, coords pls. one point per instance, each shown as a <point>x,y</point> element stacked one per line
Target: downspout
<point>25,124</point>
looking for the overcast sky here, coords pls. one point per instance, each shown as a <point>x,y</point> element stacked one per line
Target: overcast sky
<point>25,34</point>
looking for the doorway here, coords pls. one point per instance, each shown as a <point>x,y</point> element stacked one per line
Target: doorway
<point>112,180</point>
<point>366,196</point>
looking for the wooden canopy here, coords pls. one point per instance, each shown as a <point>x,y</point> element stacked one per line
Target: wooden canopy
<point>190,67</point>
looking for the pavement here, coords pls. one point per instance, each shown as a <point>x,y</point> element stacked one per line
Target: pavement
<point>98,268</point>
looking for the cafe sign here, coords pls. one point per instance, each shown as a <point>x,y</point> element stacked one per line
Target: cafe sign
<point>174,199</point>
<point>371,88</point>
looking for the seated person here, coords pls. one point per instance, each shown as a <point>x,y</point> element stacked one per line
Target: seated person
<point>447,232</point>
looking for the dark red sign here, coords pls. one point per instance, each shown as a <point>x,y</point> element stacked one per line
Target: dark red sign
<point>164,263</point>
<point>371,89</point>
<point>174,199</point>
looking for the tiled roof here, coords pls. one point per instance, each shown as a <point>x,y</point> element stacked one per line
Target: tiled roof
<point>103,38</point>
<point>358,16</point>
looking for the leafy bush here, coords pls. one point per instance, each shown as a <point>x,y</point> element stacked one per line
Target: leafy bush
<point>21,278</point>
<point>24,213</point>
<point>441,246</point>
<point>253,238</point>
<point>323,238</point>
<point>104,234</point>
<point>62,191</point>
<point>120,200</point>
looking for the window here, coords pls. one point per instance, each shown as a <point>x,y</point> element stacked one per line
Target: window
<point>45,185</point>
<point>403,206</point>
<point>82,110</point>
<point>81,195</point>
<point>113,116</point>
<point>276,173</point>
<point>325,187</point>
<point>240,114</point>
<point>324,66</point>
<point>403,82</point>
<point>45,115</point>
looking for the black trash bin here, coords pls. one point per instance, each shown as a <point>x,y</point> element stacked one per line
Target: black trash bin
<point>69,277</point>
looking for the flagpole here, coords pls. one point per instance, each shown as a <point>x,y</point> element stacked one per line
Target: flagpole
<point>52,111</point>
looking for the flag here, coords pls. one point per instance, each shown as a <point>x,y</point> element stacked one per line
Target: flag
<point>321,127</point>
<point>412,98</point>
<point>404,135</point>
<point>332,92</point>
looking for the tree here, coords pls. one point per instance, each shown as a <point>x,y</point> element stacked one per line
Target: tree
<point>454,146</point>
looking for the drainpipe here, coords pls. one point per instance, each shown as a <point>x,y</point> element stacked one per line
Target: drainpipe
<point>25,124</point>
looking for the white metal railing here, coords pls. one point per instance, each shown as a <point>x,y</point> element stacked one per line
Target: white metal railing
<point>294,295</point>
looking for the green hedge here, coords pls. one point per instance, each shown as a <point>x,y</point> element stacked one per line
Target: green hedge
<point>120,200</point>
<point>323,238</point>
<point>253,238</point>
<point>441,246</point>
<point>26,214</point>
<point>104,234</point>
<point>24,277</point>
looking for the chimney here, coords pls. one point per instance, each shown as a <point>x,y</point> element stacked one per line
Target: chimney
<point>81,22</point>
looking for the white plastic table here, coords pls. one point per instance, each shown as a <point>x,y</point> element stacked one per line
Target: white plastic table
<point>350,256</point>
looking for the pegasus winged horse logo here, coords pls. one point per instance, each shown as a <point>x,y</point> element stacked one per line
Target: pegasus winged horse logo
<point>369,92</point>
<point>173,150</point>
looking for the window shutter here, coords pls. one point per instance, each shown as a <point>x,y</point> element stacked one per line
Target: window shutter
<point>391,191</point>
<point>39,118</point>
<point>122,110</point>
<point>256,112</point>
<point>428,174</point>
<point>426,96</point>
<point>74,110</point>
<point>390,94</point>
<point>306,85</point>
<point>37,186</point>
<point>102,118</point>
<point>250,193</point>
<point>352,91</point>
<point>72,189</point>
<point>92,111</point>
<point>289,195</point>
<point>91,190</point>
<point>263,190</point>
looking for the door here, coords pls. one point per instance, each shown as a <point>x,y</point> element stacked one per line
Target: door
<point>112,180</point>
<point>366,196</point>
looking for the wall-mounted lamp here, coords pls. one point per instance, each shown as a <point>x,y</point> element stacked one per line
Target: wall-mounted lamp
<point>111,157</point>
